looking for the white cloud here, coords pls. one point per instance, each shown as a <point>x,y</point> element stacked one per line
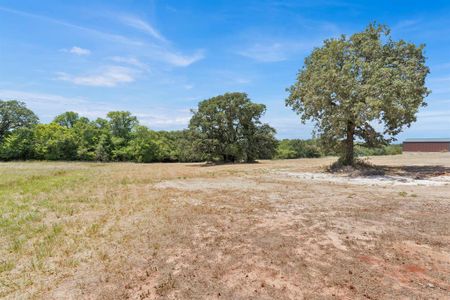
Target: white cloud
<point>160,50</point>
<point>140,24</point>
<point>109,76</point>
<point>79,51</point>
<point>130,61</point>
<point>107,36</point>
<point>164,120</point>
<point>181,60</point>
<point>39,98</point>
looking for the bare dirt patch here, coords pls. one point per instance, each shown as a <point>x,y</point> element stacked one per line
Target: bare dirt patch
<point>182,231</point>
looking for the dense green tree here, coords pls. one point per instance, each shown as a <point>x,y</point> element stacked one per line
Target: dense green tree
<point>296,148</point>
<point>55,142</point>
<point>67,119</point>
<point>14,114</point>
<point>228,127</point>
<point>19,145</point>
<point>351,86</point>
<point>122,123</point>
<point>87,136</point>
<point>142,147</point>
<point>103,149</point>
<point>182,145</point>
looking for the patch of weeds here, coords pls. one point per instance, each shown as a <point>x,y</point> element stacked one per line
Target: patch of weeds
<point>360,167</point>
<point>103,255</point>
<point>71,263</point>
<point>16,244</point>
<point>165,286</point>
<point>403,194</point>
<point>44,248</point>
<point>93,229</point>
<point>6,266</point>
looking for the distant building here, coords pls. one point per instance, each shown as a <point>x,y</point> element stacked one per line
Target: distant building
<point>426,145</point>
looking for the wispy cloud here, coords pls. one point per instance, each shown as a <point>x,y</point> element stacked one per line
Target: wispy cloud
<point>181,60</point>
<point>39,98</point>
<point>142,25</point>
<point>79,51</point>
<point>159,49</point>
<point>108,36</point>
<point>129,61</point>
<point>164,119</point>
<point>109,76</point>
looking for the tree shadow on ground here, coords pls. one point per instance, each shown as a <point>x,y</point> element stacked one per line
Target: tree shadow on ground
<point>416,172</point>
<point>216,164</point>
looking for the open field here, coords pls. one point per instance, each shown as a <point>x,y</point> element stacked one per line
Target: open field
<point>276,229</point>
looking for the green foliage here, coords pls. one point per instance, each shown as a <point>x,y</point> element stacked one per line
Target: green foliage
<point>67,119</point>
<point>225,128</point>
<point>142,147</point>
<point>14,115</point>
<point>121,124</point>
<point>103,148</point>
<point>55,142</point>
<point>288,149</point>
<point>19,145</point>
<point>350,83</point>
<point>361,150</point>
<point>228,128</point>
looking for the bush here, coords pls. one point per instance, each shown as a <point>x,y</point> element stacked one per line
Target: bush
<point>288,149</point>
<point>19,145</point>
<point>361,150</point>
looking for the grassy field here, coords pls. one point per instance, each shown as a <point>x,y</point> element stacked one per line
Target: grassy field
<point>276,229</point>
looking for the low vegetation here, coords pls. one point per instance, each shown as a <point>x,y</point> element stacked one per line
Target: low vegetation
<point>79,230</point>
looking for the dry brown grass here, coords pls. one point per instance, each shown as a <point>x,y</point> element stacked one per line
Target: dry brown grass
<point>115,231</point>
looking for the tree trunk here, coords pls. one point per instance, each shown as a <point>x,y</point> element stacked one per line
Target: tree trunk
<point>348,157</point>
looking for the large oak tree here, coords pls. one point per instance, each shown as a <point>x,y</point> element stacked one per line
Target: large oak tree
<point>14,115</point>
<point>228,128</point>
<point>366,87</point>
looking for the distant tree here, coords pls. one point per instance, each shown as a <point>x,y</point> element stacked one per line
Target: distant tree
<point>183,144</point>
<point>122,123</point>
<point>351,83</point>
<point>14,114</point>
<point>296,148</point>
<point>55,142</point>
<point>87,136</point>
<point>228,128</point>
<point>103,149</point>
<point>19,145</point>
<point>67,119</point>
<point>142,147</point>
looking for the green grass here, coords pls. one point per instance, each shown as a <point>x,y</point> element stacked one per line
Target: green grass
<point>35,201</point>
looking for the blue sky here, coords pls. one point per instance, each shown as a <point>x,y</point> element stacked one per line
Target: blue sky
<point>157,59</point>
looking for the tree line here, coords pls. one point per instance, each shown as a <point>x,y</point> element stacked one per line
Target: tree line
<point>120,137</point>
<point>359,91</point>
<point>224,128</point>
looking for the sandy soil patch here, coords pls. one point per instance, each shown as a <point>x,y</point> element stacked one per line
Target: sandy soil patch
<point>367,180</point>
<point>273,230</point>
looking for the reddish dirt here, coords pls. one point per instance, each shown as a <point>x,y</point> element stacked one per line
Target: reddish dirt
<point>246,232</point>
